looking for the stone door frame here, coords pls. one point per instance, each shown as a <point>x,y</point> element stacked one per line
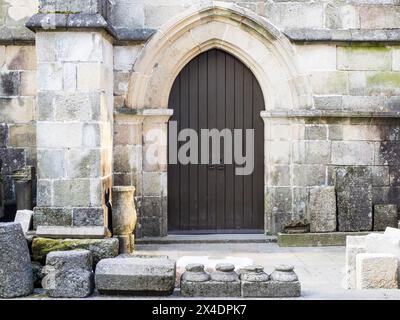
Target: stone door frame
<point>264,49</point>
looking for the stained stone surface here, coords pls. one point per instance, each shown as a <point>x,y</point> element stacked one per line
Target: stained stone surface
<point>271,289</point>
<point>68,274</point>
<point>253,273</point>
<point>354,198</point>
<point>136,275</point>
<point>195,273</point>
<point>24,217</point>
<point>38,275</point>
<point>100,248</point>
<point>385,215</point>
<point>16,277</point>
<point>67,260</point>
<point>377,271</point>
<point>284,273</point>
<point>354,246</point>
<point>322,209</point>
<point>76,283</point>
<point>210,289</point>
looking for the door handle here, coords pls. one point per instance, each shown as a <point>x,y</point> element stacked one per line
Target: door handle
<point>211,167</point>
<point>220,167</point>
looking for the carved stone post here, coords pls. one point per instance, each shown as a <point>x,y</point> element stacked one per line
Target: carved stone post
<point>124,217</point>
<point>23,188</point>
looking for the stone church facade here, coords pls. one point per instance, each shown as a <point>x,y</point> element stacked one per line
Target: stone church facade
<point>82,82</point>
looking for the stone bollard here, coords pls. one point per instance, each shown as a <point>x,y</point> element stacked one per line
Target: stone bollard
<point>124,217</point>
<point>224,282</point>
<point>16,277</point>
<point>254,282</point>
<point>68,274</point>
<point>194,281</point>
<point>1,192</point>
<point>284,282</point>
<point>23,187</point>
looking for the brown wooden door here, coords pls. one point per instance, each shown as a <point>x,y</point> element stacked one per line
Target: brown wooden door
<point>216,90</point>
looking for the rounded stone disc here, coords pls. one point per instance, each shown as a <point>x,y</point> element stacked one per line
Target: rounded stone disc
<point>284,268</point>
<point>195,267</point>
<point>253,268</point>
<point>225,267</point>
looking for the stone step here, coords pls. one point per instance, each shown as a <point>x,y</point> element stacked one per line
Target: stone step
<point>208,238</point>
<point>329,239</point>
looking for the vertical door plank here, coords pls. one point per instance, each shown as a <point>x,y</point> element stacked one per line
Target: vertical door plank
<point>221,114</point>
<point>202,123</point>
<point>248,124</point>
<point>212,123</point>
<point>230,124</point>
<point>193,124</point>
<point>184,169</point>
<point>239,86</point>
<point>173,169</point>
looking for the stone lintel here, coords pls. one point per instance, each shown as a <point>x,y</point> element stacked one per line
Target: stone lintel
<point>59,232</point>
<point>349,35</point>
<point>160,115</point>
<point>56,21</point>
<point>328,114</point>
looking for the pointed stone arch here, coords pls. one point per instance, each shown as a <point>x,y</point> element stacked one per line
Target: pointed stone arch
<point>240,32</point>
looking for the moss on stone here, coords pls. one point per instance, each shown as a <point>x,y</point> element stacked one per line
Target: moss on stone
<point>100,248</point>
<point>384,79</point>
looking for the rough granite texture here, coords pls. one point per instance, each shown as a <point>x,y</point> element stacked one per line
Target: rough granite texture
<point>16,277</point>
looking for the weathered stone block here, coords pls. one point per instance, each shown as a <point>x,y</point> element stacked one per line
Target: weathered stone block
<point>354,198</point>
<point>51,164</point>
<point>352,153</point>
<point>68,274</point>
<point>341,17</point>
<point>376,271</point>
<point>59,135</point>
<point>354,246</point>
<point>10,83</point>
<point>385,216</point>
<point>82,217</point>
<point>44,216</point>
<point>329,82</point>
<point>22,136</point>
<point>317,56</point>
<point>16,278</point>
<point>71,6</point>
<point>60,232</point>
<point>84,163</point>
<point>79,192</point>
<point>210,289</point>
<point>100,248</point>
<point>322,209</point>
<point>388,153</point>
<point>364,58</point>
<point>50,76</point>
<point>21,57</point>
<point>24,218</point>
<point>308,175</point>
<point>383,243</point>
<point>136,275</point>
<point>70,260</point>
<point>69,284</point>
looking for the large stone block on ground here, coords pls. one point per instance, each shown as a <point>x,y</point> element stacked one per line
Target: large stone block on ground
<point>354,198</point>
<point>16,277</point>
<point>385,215</point>
<point>136,275</point>
<point>67,260</point>
<point>354,246</point>
<point>68,274</point>
<point>382,243</point>
<point>100,248</point>
<point>69,284</point>
<point>24,218</point>
<point>376,271</point>
<point>322,209</point>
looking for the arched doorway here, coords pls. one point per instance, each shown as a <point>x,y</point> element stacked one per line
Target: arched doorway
<point>215,90</point>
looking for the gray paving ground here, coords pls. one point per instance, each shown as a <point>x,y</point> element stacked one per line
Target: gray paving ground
<point>321,270</point>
